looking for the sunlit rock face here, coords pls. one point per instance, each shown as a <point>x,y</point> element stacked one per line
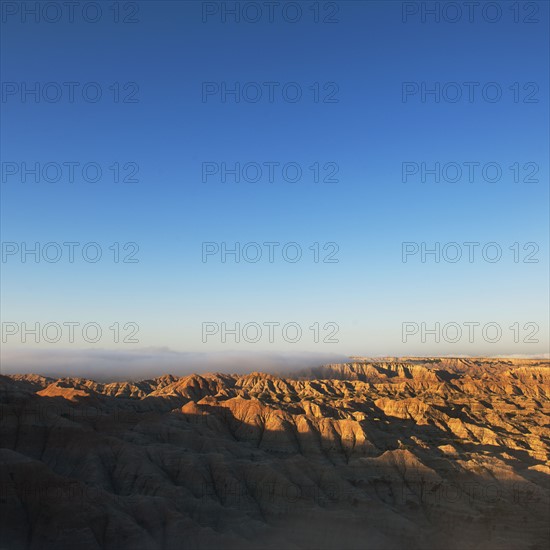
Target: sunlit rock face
<point>388,454</point>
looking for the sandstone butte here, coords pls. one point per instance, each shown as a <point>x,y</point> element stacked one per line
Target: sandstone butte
<point>415,453</point>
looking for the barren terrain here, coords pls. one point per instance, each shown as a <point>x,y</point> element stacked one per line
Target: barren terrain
<point>416,453</point>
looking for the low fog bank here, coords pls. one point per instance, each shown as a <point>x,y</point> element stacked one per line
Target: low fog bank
<point>112,365</point>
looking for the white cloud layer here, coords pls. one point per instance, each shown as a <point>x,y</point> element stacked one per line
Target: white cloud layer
<point>110,365</point>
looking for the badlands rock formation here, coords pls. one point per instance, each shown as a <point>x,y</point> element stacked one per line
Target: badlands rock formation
<point>387,454</point>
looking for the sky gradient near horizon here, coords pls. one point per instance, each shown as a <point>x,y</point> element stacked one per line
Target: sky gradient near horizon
<point>162,121</point>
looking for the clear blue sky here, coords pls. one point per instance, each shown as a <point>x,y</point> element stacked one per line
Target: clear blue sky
<point>369,211</point>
